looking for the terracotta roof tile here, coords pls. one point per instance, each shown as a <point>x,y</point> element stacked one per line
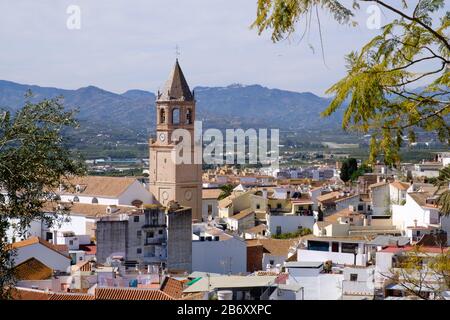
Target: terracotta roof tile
<point>211,193</point>
<point>400,185</point>
<point>63,250</point>
<point>100,185</point>
<point>32,269</point>
<point>277,247</point>
<point>173,287</point>
<point>130,294</point>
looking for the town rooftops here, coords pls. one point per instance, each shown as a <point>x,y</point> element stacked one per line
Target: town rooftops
<point>328,197</point>
<point>87,209</point>
<point>243,214</point>
<point>257,229</point>
<point>378,184</point>
<point>32,269</point>
<point>353,239</point>
<point>400,185</point>
<point>118,293</point>
<point>303,264</point>
<point>110,187</point>
<point>32,294</point>
<point>421,199</point>
<point>61,249</point>
<point>425,249</point>
<point>389,240</point>
<point>173,287</point>
<point>347,212</point>
<point>276,247</point>
<point>229,282</point>
<point>211,193</point>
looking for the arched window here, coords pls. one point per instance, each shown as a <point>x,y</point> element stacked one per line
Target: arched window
<point>94,200</point>
<point>75,199</point>
<point>176,116</point>
<point>162,115</point>
<point>188,116</point>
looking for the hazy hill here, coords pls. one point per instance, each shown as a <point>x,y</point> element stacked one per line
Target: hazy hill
<point>222,107</point>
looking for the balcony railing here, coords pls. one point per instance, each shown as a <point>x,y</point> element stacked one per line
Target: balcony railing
<point>152,241</point>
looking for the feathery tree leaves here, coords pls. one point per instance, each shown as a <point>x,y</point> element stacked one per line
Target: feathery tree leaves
<point>33,163</point>
<point>443,184</point>
<point>412,51</point>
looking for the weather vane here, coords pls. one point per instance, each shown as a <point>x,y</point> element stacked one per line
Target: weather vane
<point>177,51</point>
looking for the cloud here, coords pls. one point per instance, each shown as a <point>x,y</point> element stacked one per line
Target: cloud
<point>131,44</point>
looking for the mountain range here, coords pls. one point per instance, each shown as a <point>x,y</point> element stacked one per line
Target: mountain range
<point>133,112</point>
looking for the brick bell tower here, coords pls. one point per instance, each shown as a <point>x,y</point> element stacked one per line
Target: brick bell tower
<point>182,182</point>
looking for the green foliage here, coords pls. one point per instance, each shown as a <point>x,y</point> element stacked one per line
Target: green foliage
<point>360,171</point>
<point>33,161</point>
<point>443,182</point>
<point>226,191</point>
<point>411,50</point>
<point>348,169</point>
<point>416,268</point>
<point>290,235</point>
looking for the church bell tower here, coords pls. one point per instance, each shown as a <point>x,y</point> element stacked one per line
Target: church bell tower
<point>182,182</point>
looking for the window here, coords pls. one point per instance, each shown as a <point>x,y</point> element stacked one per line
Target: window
<point>278,230</point>
<point>209,209</point>
<point>48,236</point>
<point>318,245</point>
<point>139,233</point>
<point>138,250</point>
<point>136,218</point>
<point>258,206</point>
<point>360,207</point>
<point>70,242</point>
<point>162,116</point>
<point>150,234</point>
<point>353,277</point>
<point>271,262</point>
<point>176,116</point>
<point>75,199</point>
<point>335,246</point>
<point>94,200</point>
<point>349,248</point>
<point>279,206</point>
<point>160,232</point>
<point>81,259</point>
<point>188,116</point>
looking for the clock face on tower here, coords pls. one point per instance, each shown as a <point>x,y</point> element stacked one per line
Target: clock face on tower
<point>162,136</point>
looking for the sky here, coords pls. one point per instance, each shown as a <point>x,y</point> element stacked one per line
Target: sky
<point>130,44</point>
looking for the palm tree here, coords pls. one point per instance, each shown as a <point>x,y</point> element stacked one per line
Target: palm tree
<point>443,181</point>
<point>227,189</point>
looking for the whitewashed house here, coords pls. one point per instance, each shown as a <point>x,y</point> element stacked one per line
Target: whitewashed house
<point>55,257</point>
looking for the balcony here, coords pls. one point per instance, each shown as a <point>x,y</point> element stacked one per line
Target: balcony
<point>154,241</point>
<point>153,225</point>
<point>304,212</point>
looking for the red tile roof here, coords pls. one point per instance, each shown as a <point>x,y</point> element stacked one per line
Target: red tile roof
<point>130,294</point>
<point>89,248</point>
<point>173,287</point>
<point>61,249</point>
<point>32,269</point>
<point>393,249</point>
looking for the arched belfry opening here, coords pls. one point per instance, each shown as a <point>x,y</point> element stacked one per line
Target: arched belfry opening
<point>189,116</point>
<point>162,116</point>
<point>176,115</point>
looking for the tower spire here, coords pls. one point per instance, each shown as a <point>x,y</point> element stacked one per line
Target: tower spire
<point>176,87</point>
